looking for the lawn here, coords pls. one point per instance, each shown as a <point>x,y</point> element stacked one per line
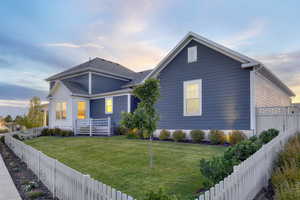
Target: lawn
<point>124,164</point>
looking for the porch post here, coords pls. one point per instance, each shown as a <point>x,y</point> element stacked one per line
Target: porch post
<point>90,121</point>
<point>109,126</point>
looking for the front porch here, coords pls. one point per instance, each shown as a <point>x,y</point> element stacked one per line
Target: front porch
<point>101,126</point>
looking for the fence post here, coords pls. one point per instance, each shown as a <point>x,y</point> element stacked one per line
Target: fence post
<point>39,164</point>
<point>109,126</point>
<point>54,178</point>
<point>84,185</point>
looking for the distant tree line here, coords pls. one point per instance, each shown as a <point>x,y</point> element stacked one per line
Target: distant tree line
<point>34,117</point>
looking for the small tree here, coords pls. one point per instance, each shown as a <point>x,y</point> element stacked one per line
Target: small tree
<point>145,116</point>
<point>8,119</point>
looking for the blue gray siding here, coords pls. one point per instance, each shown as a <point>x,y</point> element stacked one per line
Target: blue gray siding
<point>101,84</point>
<point>119,106</point>
<point>83,80</point>
<point>225,92</point>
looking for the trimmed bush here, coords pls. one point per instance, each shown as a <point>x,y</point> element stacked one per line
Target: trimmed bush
<point>236,136</point>
<point>241,151</point>
<point>215,170</point>
<point>133,133</point>
<point>197,135</point>
<point>164,134</point>
<point>66,133</point>
<point>120,130</point>
<point>57,132</point>
<point>217,137</point>
<point>45,132</point>
<point>268,135</point>
<point>178,136</point>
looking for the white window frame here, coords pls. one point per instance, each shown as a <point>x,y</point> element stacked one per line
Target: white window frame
<point>185,84</point>
<point>192,54</point>
<point>112,105</point>
<point>60,105</point>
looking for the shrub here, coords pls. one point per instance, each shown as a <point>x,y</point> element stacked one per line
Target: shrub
<point>197,135</point>
<point>145,134</point>
<point>133,133</point>
<point>267,136</point>
<point>215,169</point>
<point>286,177</point>
<point>45,132</point>
<point>236,136</point>
<point>57,132</point>
<point>217,137</point>
<point>159,195</point>
<point>164,134</point>
<point>120,130</point>
<point>2,139</point>
<point>241,151</point>
<point>178,136</point>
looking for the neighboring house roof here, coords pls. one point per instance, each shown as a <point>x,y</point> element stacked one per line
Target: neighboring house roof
<point>98,65</point>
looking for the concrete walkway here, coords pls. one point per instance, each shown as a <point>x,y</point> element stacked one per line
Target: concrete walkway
<point>8,190</point>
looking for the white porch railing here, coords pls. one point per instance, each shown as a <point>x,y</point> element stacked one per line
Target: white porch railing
<point>93,127</point>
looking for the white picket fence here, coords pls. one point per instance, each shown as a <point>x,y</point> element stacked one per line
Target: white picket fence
<point>64,182</point>
<point>253,174</point>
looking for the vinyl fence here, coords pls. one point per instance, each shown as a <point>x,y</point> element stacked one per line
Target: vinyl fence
<point>64,182</point>
<point>249,177</point>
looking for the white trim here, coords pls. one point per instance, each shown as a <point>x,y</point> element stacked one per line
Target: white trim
<point>116,95</point>
<point>185,83</point>
<point>72,76</point>
<point>110,76</point>
<point>90,83</point>
<point>128,103</point>
<point>117,92</point>
<point>112,106</point>
<point>252,101</point>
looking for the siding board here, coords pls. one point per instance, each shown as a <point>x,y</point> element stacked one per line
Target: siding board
<point>101,84</point>
<point>98,109</point>
<point>225,92</point>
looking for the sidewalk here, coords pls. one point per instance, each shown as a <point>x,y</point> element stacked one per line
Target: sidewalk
<point>8,190</point>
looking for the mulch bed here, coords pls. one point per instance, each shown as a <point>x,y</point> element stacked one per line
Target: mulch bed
<point>25,181</point>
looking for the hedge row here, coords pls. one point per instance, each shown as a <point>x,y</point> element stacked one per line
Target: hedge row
<point>56,132</point>
<point>216,169</point>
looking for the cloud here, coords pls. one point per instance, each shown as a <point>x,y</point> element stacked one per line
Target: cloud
<point>71,45</point>
<point>21,48</point>
<point>15,92</point>
<point>244,37</point>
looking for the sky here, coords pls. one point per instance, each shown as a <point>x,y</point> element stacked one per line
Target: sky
<point>41,38</point>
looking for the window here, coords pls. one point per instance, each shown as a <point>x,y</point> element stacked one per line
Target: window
<point>192,98</point>
<point>61,110</point>
<point>108,105</point>
<point>192,54</point>
<point>81,110</point>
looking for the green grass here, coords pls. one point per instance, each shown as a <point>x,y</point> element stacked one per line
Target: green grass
<point>124,164</point>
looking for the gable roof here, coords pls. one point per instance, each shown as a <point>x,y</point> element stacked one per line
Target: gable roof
<point>97,65</point>
<point>246,62</point>
<point>139,78</point>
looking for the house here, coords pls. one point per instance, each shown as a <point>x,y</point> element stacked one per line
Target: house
<point>204,85</point>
